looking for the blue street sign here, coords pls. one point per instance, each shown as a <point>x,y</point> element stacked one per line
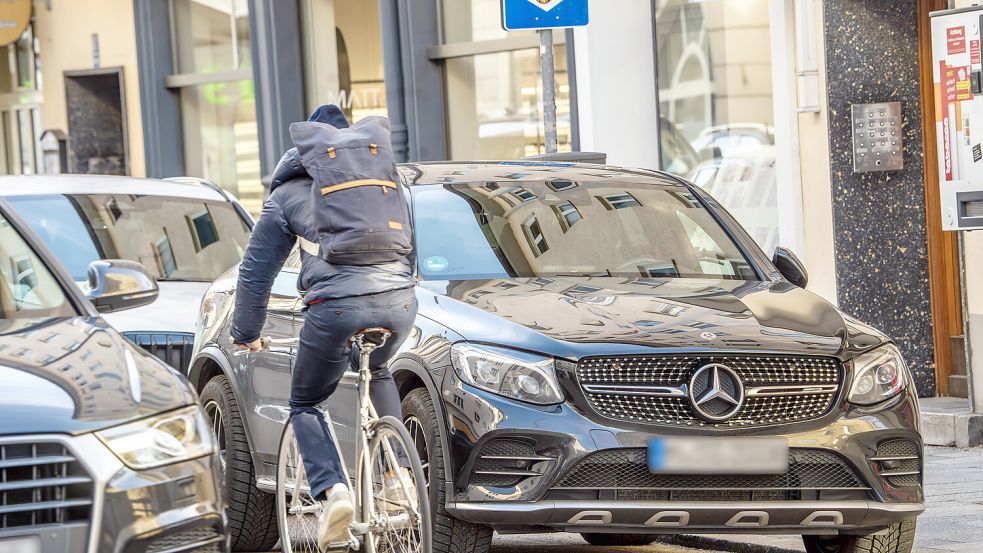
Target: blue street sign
<point>543,14</point>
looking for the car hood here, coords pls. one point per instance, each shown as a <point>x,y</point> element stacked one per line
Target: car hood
<point>74,375</point>
<point>174,310</point>
<point>573,317</point>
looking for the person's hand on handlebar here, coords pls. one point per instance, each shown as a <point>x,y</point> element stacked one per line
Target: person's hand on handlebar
<point>255,345</point>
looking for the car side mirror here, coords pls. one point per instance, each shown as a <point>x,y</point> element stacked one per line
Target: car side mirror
<point>118,284</point>
<point>789,265</point>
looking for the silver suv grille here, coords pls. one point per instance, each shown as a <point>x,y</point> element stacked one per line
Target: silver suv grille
<point>42,483</point>
<point>651,389</point>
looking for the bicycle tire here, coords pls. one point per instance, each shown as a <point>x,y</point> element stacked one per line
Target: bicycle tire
<point>287,447</point>
<point>393,427</point>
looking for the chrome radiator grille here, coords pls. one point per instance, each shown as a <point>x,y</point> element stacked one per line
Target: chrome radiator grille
<point>42,483</point>
<point>652,389</point>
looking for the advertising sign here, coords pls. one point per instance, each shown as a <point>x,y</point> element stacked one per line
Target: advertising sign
<point>14,17</point>
<point>956,40</point>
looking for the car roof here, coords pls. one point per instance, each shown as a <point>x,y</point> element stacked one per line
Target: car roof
<point>36,185</point>
<point>451,172</point>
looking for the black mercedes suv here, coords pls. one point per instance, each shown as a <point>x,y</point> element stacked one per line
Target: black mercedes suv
<point>603,351</point>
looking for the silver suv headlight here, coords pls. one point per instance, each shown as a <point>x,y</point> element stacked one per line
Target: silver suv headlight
<point>510,373</point>
<point>878,375</point>
<point>160,440</point>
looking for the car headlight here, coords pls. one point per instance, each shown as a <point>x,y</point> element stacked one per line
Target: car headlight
<point>522,376</point>
<point>160,440</point>
<point>878,375</point>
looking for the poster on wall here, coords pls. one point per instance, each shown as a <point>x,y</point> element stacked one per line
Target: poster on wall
<point>956,40</point>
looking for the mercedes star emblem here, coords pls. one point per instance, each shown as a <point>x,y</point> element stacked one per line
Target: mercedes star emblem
<point>716,392</point>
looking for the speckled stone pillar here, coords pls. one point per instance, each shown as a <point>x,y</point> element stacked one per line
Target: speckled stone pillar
<point>879,218</point>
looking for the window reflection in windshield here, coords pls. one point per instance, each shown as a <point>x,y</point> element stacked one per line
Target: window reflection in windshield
<point>174,238</point>
<point>495,230</point>
<point>27,288</point>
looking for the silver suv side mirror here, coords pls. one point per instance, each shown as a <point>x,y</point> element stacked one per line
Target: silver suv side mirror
<point>118,284</point>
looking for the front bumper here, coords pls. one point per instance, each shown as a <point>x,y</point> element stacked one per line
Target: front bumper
<point>172,508</point>
<point>561,437</point>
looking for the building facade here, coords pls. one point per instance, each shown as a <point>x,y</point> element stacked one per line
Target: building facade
<point>750,99</point>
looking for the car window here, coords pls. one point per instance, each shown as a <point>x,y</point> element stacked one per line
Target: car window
<point>27,289</point>
<point>501,230</point>
<point>174,238</point>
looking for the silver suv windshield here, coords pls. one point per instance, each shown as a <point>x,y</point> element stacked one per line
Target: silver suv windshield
<point>176,239</point>
<point>27,289</point>
<point>557,228</point>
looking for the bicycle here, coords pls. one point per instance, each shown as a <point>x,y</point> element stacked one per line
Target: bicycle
<point>386,525</point>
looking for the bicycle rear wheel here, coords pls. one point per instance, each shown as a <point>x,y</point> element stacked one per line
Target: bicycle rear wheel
<point>399,523</point>
<point>296,509</point>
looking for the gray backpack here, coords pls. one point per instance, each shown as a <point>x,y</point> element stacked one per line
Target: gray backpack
<point>361,210</point>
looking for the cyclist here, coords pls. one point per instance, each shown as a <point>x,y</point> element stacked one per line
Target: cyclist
<point>339,301</point>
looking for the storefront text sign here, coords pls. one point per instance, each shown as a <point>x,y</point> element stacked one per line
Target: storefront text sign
<point>14,17</point>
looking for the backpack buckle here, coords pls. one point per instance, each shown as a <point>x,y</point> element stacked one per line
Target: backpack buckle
<point>374,149</point>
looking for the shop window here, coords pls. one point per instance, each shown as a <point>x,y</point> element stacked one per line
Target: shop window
<point>212,35</point>
<point>221,134</point>
<point>716,105</point>
<point>494,100</point>
<point>495,105</point>
<point>20,106</point>
<point>344,67</point>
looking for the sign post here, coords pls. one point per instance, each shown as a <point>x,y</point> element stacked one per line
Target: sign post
<point>549,89</point>
<point>544,16</point>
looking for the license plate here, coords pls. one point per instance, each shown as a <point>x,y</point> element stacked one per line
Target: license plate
<point>30,544</point>
<point>672,455</point>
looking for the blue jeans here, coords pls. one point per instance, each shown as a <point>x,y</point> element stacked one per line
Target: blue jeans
<point>323,356</point>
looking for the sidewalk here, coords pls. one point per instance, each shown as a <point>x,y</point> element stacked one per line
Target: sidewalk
<point>953,517</point>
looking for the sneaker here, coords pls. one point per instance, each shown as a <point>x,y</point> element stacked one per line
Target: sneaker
<point>335,517</point>
<point>394,497</point>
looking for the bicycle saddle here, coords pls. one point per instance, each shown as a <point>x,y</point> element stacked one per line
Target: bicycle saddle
<point>376,336</point>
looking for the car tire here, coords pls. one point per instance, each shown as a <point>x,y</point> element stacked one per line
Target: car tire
<point>620,540</point>
<point>450,535</point>
<point>898,538</point>
<point>251,512</point>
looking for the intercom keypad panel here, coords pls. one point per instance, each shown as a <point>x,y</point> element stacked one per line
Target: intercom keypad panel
<point>877,137</point>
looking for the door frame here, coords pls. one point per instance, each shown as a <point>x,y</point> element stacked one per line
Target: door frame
<point>943,247</point>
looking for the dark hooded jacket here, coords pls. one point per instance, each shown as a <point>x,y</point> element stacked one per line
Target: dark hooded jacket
<point>286,215</point>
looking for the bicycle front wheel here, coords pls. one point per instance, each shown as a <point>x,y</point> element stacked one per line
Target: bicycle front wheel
<point>398,510</point>
<point>297,511</point>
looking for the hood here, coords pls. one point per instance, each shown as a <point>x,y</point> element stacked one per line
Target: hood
<point>179,300</point>
<point>289,166</point>
<point>74,376</point>
<point>574,317</point>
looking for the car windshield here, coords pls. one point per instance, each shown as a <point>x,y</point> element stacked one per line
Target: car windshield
<point>28,290</point>
<point>563,228</point>
<point>176,239</point>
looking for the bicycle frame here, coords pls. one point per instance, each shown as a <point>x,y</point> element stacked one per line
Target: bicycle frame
<point>363,523</point>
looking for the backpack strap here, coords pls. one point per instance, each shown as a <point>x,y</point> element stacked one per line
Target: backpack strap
<point>308,246</point>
